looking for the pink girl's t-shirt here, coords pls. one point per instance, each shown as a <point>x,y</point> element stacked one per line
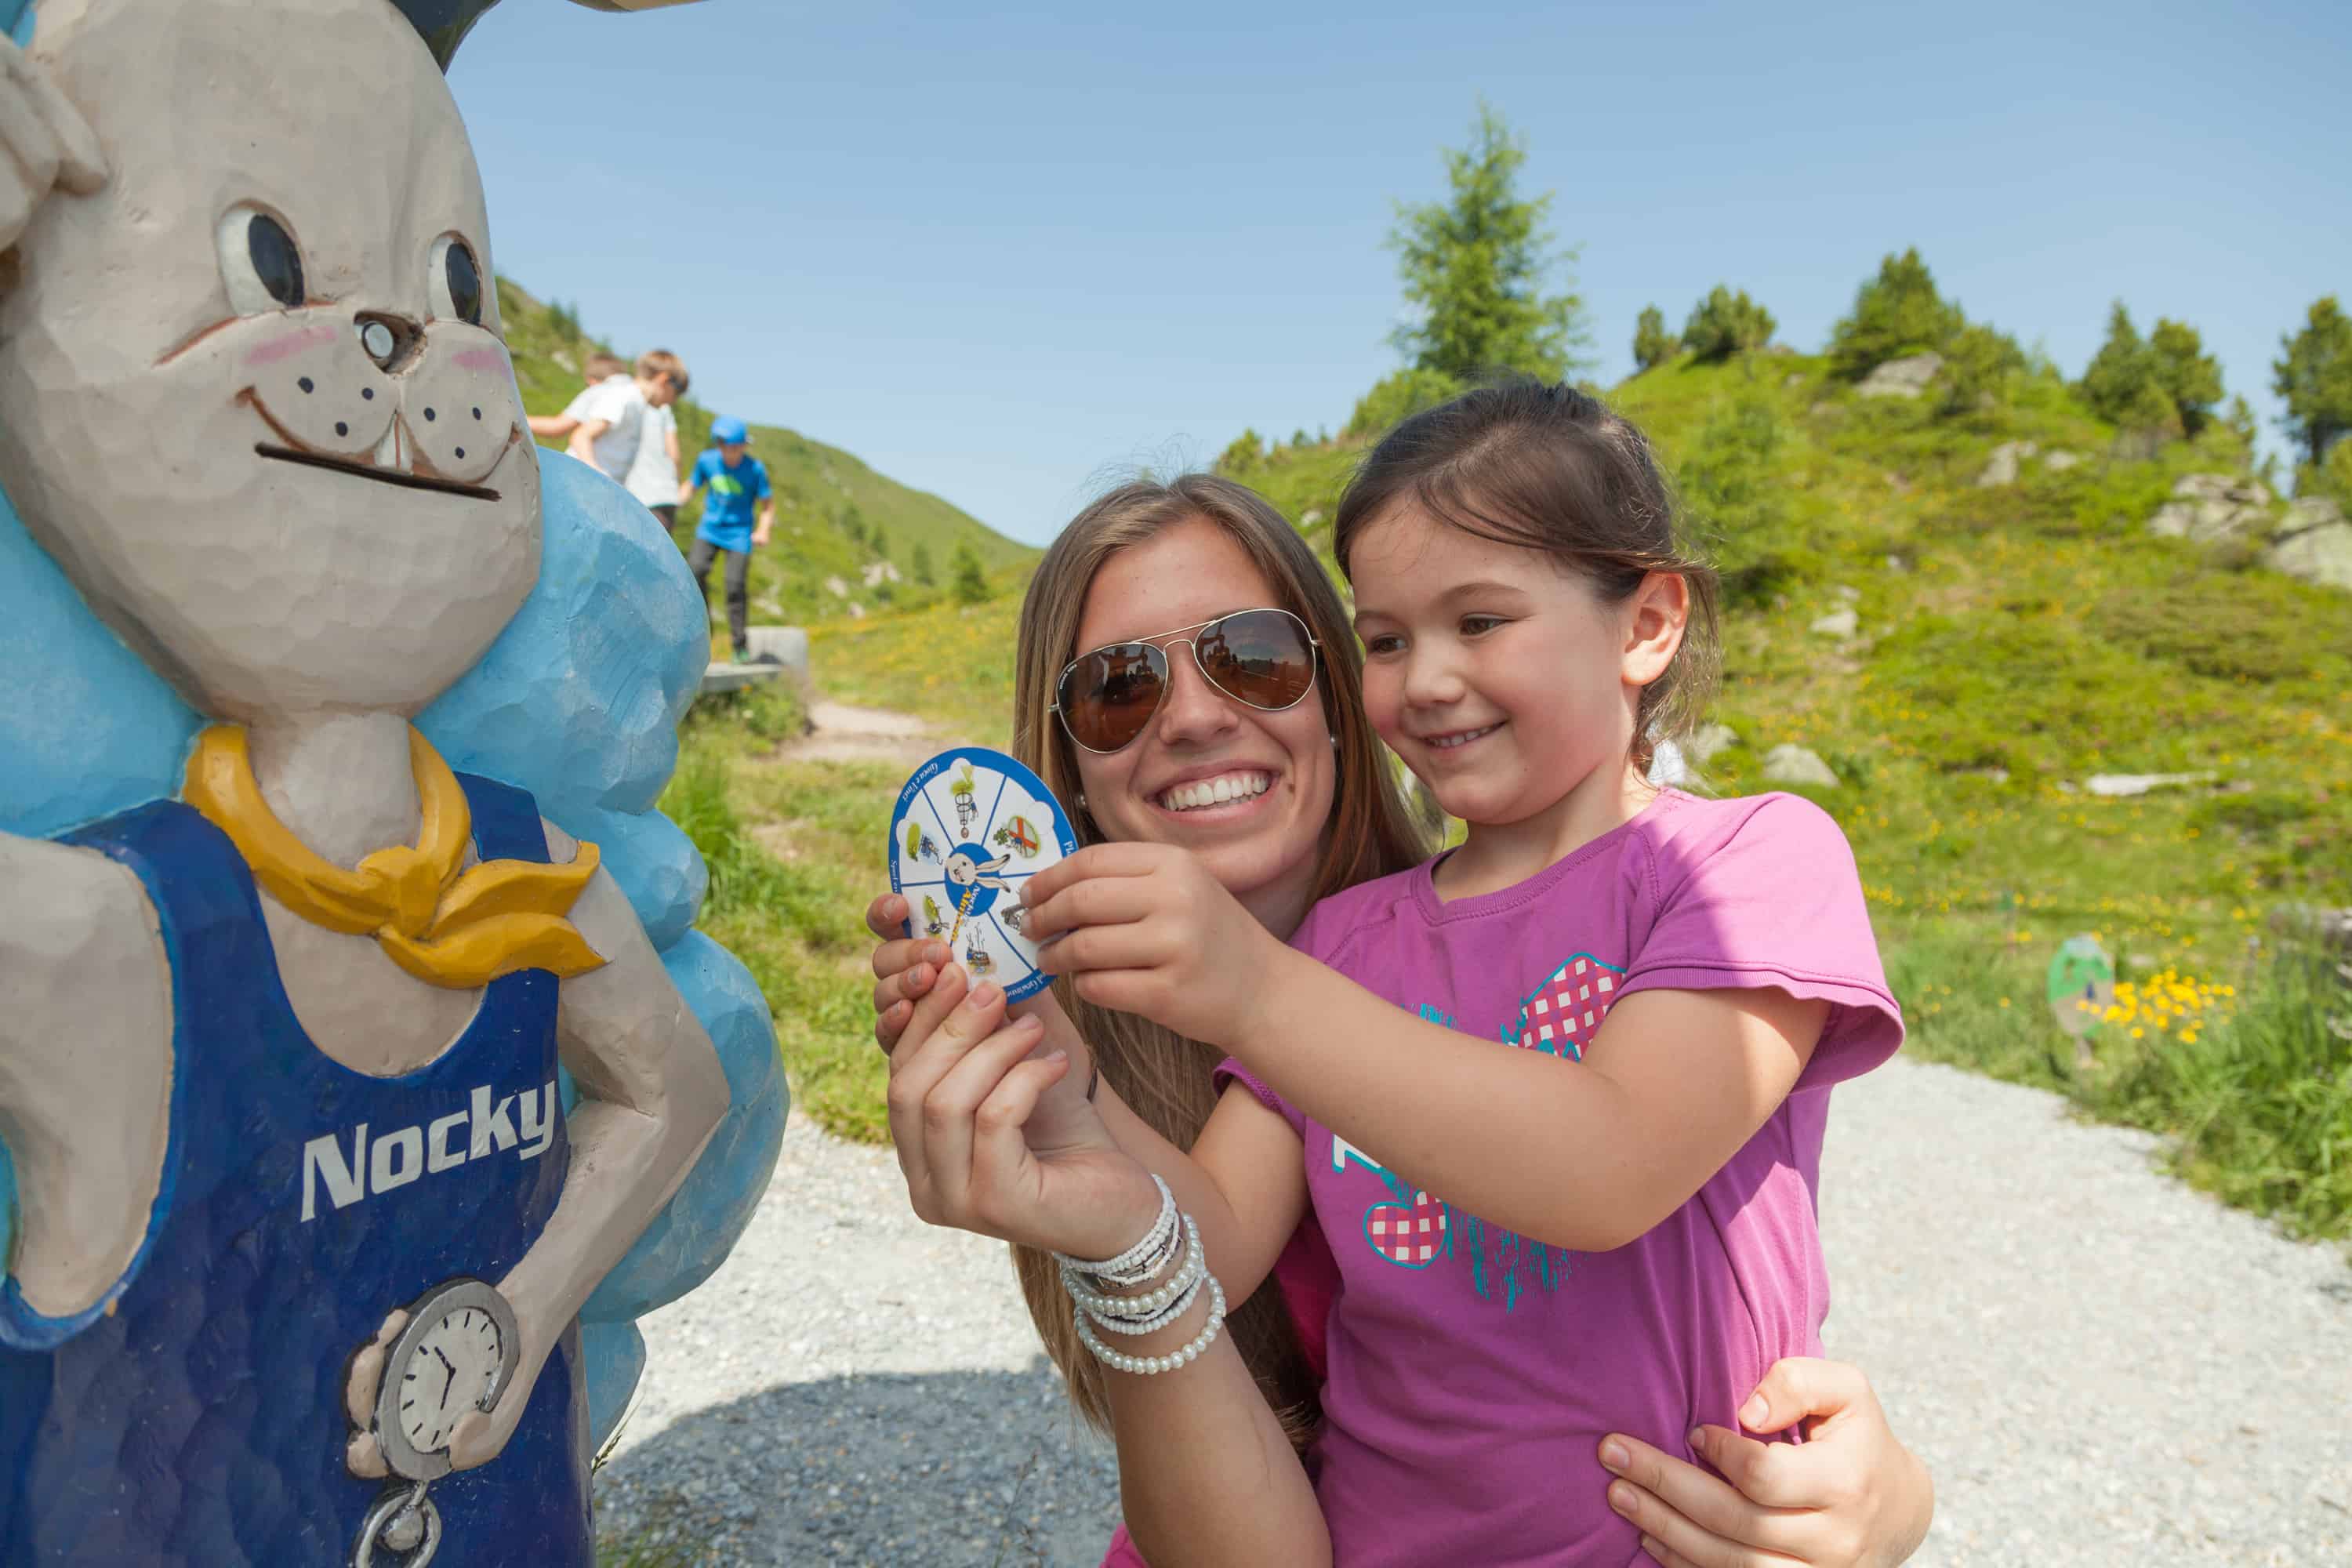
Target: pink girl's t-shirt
<point>1472,1373</point>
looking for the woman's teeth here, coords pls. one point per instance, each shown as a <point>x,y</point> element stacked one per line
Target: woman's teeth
<point>1215,791</point>
<point>1461,737</point>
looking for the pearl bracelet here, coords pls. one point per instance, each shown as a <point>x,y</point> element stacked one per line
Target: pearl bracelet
<point>1102,1306</point>
<point>1149,1366</point>
<point>1160,1319</point>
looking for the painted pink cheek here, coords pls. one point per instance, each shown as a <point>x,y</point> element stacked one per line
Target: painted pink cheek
<point>487,361</point>
<point>288,344</point>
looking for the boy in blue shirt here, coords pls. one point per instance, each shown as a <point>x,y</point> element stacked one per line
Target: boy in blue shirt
<point>737,480</point>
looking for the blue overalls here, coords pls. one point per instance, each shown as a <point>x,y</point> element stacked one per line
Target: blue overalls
<point>194,1418</point>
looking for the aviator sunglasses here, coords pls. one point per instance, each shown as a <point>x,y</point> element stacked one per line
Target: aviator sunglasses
<point>1107,696</point>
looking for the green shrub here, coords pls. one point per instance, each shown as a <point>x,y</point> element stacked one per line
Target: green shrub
<point>1896,313</point>
<point>1243,455</point>
<point>1980,366</point>
<point>1394,399</point>
<point>921,563</point>
<point>1652,344</point>
<point>1725,323</point>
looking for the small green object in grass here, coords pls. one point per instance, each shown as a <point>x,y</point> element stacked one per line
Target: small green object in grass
<point>2081,987</point>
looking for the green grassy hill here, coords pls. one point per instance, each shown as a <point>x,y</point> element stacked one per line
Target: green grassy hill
<point>2011,641</point>
<point>830,507</point>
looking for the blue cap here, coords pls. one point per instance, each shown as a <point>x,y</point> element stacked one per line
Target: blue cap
<point>729,431</point>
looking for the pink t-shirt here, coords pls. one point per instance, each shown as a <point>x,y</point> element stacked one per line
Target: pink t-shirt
<point>1472,1373</point>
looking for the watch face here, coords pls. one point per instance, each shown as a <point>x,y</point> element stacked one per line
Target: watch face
<point>454,1355</point>
<point>453,1370</point>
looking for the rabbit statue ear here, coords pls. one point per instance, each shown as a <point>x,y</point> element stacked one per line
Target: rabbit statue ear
<point>444,24</point>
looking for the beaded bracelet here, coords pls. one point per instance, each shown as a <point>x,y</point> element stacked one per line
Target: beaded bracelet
<point>1148,1314</point>
<point>1149,1366</point>
<point>1130,1307</point>
<point>1142,1263</point>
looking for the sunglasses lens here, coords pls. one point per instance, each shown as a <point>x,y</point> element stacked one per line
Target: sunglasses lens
<point>1108,696</point>
<point>1259,657</point>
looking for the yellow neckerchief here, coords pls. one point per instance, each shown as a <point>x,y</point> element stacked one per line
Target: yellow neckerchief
<point>447,926</point>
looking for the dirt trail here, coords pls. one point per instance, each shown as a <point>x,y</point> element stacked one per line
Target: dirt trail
<point>843,733</point>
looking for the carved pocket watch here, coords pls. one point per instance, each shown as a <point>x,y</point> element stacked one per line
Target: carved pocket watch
<point>454,1357</point>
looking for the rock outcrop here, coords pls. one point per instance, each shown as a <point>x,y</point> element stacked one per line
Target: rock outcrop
<point>1901,377</point>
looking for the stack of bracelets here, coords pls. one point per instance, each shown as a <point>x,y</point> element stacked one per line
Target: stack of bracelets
<point>1174,1238</point>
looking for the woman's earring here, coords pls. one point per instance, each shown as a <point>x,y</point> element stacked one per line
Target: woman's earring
<point>1082,800</point>
<point>1334,742</point>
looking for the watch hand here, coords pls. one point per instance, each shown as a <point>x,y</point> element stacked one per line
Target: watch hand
<point>451,1381</point>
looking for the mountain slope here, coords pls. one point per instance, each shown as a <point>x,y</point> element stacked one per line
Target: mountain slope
<point>822,563</point>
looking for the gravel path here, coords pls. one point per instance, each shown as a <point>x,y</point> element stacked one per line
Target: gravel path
<point>2100,1365</point>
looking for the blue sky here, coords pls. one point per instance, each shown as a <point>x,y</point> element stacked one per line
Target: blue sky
<point>998,257</point>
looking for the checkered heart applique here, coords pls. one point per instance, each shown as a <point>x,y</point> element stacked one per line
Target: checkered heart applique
<point>1566,1010</point>
<point>1412,1235</point>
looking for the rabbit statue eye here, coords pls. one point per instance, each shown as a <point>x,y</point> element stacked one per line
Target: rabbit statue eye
<point>261,264</point>
<point>455,281</point>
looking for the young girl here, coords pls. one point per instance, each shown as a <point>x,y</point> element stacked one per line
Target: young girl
<point>1554,1215</point>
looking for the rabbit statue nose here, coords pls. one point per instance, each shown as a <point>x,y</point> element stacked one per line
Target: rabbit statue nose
<point>390,340</point>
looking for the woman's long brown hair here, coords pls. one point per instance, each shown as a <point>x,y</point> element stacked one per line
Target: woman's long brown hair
<point>1161,1076</point>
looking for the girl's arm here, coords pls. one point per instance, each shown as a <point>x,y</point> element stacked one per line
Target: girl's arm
<point>1206,1471</point>
<point>1670,1089</point>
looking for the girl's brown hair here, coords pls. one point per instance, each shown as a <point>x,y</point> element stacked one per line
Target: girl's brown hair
<point>1552,469</point>
<point>1158,1073</point>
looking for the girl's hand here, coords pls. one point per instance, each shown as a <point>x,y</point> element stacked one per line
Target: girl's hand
<point>1849,1496</point>
<point>1145,928</point>
<point>963,1105</point>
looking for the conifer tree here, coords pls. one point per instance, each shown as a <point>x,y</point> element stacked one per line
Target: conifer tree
<point>921,563</point>
<point>2121,384</point>
<point>2190,376</point>
<point>1476,266</point>
<point>1725,323</point>
<point>1652,344</point>
<point>1896,313</point>
<point>2314,379</point>
<point>971,584</point>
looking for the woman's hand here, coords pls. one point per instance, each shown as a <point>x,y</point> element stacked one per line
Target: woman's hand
<point>1849,1496</point>
<point>1145,928</point>
<point>977,1152</point>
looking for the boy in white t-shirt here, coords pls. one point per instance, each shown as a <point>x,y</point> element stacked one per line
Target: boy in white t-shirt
<point>613,425</point>
<point>599,368</point>
<point>653,477</point>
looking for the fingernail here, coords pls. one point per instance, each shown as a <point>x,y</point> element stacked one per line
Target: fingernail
<point>1657,1552</point>
<point>1033,1023</point>
<point>983,994</point>
<point>1754,1411</point>
<point>1621,1498</point>
<point>1612,1454</point>
<point>937,953</point>
<point>920,977</point>
<point>1056,1056</point>
<point>1696,1437</point>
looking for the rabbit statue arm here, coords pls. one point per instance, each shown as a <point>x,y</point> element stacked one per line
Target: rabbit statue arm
<point>85,1066</point>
